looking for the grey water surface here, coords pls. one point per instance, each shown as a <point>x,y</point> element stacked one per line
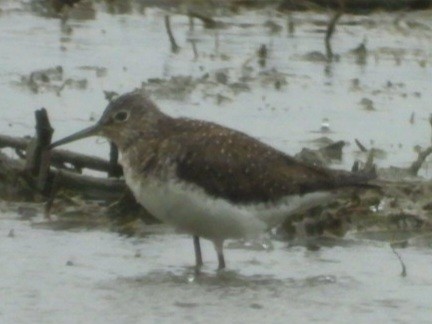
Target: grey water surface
<point>95,276</point>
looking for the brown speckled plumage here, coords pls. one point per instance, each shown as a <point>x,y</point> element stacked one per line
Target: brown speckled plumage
<point>224,162</point>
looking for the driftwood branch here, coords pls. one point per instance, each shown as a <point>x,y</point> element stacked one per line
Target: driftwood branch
<point>60,157</point>
<point>91,187</point>
<point>88,186</point>
<point>14,142</point>
<point>36,172</point>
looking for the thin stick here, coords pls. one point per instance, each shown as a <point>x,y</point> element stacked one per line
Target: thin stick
<point>174,47</point>
<point>360,146</point>
<point>416,165</point>
<point>44,134</point>
<point>404,271</point>
<point>329,33</point>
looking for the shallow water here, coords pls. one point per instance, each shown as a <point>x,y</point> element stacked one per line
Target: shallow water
<point>134,48</point>
<point>94,276</point>
<point>70,277</point>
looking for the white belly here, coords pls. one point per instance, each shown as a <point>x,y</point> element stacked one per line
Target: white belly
<point>191,210</point>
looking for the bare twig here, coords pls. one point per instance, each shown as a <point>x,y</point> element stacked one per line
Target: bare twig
<point>329,33</point>
<point>331,28</point>
<point>416,165</point>
<point>404,271</point>
<point>360,146</point>
<point>174,47</point>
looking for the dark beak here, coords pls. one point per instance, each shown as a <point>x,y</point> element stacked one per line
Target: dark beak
<point>87,132</point>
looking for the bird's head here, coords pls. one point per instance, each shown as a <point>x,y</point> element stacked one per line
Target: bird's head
<point>123,119</point>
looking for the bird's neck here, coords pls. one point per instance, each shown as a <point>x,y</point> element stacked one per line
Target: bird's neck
<point>142,156</point>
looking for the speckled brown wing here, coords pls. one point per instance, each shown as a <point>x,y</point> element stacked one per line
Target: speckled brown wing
<point>232,165</point>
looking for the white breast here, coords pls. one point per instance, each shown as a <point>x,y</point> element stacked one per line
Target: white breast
<point>191,210</point>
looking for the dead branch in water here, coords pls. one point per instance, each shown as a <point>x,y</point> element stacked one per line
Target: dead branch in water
<point>35,173</point>
<point>360,145</point>
<point>416,165</point>
<point>402,263</point>
<point>174,47</point>
<point>329,33</point>
<point>89,187</point>
<point>61,157</point>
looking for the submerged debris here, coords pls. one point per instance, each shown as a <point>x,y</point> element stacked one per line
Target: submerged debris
<point>51,80</point>
<point>177,87</point>
<point>11,233</point>
<point>322,156</point>
<point>360,53</point>
<point>367,104</point>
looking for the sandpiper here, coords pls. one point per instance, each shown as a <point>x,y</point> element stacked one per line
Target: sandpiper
<point>208,180</point>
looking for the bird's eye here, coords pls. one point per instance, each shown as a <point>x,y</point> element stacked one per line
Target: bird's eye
<point>121,116</point>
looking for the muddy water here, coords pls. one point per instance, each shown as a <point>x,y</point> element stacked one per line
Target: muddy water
<point>94,276</point>
<point>99,277</point>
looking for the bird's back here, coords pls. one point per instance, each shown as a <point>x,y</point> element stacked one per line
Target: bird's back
<point>231,165</point>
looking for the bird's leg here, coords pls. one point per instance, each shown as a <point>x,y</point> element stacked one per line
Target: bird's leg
<point>219,250</point>
<point>197,247</point>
